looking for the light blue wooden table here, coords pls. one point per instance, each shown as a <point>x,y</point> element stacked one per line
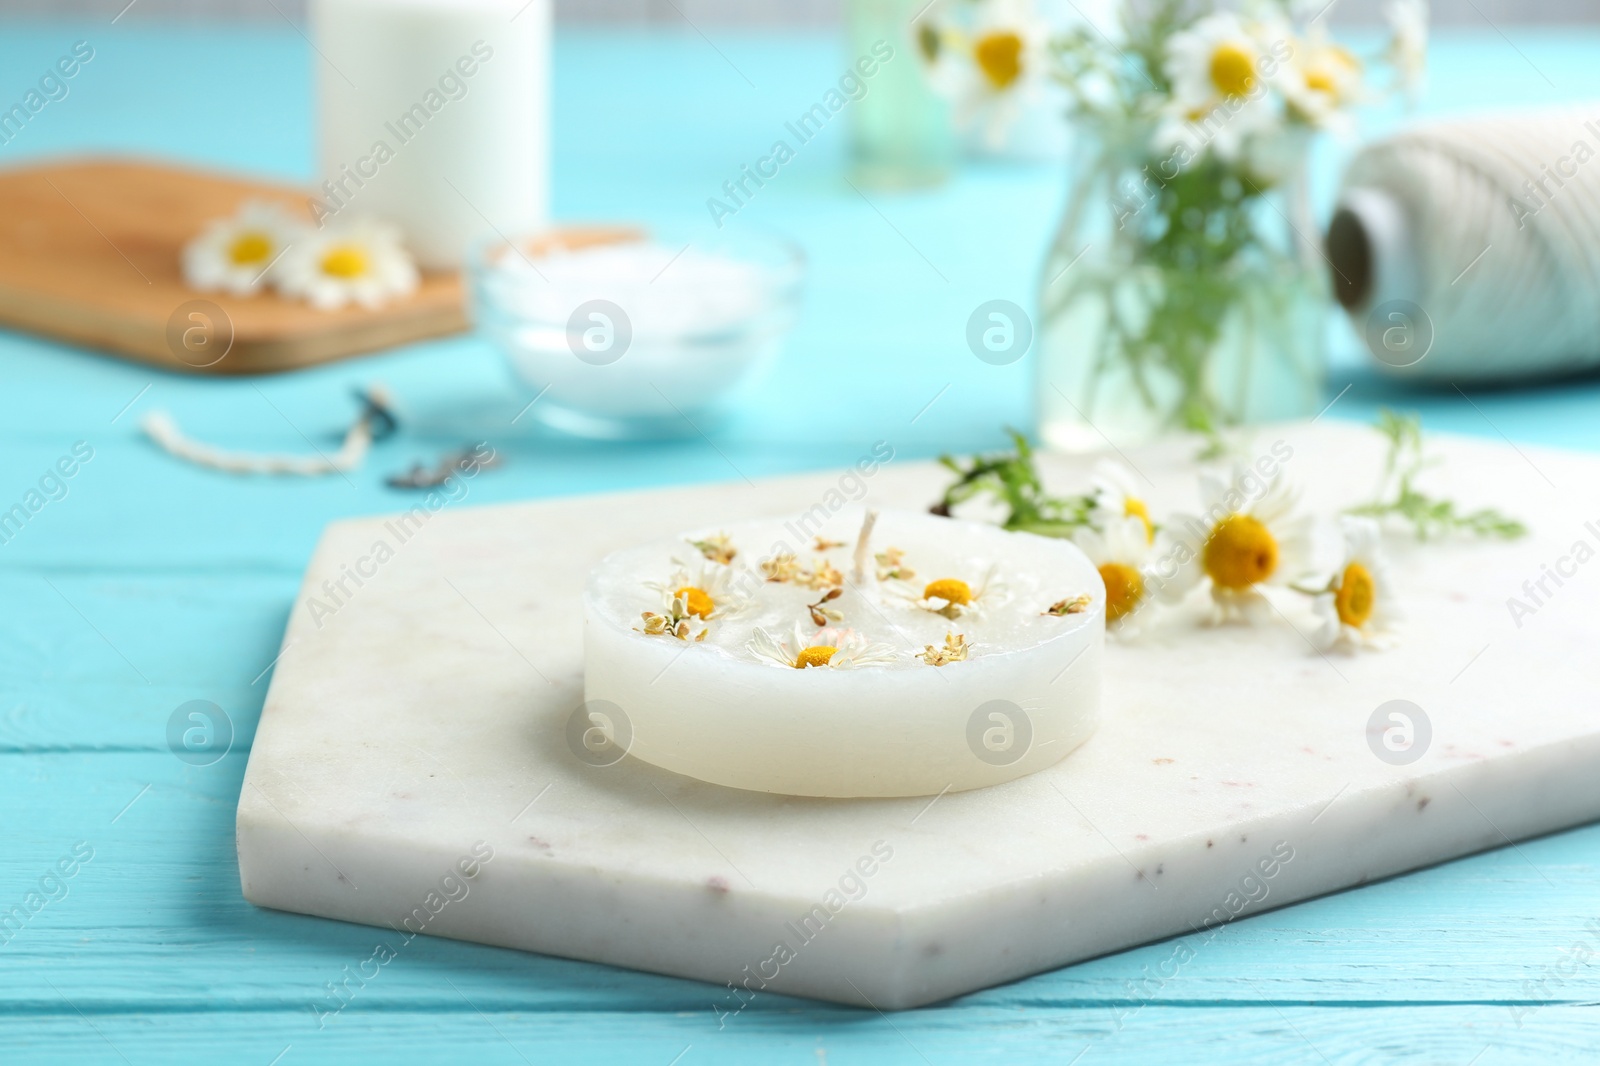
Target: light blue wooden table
<point>150,584</point>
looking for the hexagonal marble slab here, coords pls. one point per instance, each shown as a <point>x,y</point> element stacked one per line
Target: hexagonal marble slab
<point>412,767</point>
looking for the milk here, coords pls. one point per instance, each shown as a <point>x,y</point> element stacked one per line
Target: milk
<point>434,115</point>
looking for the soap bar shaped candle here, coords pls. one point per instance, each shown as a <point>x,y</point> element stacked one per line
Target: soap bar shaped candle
<point>860,655</point>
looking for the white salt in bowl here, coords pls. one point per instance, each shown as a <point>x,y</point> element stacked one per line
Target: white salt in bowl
<point>1028,695</point>
<point>621,335</point>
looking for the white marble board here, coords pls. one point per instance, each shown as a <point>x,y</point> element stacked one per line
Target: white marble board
<point>423,722</point>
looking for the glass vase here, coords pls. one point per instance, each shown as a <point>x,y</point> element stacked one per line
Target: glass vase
<point>1178,296</point>
<point>900,131</point>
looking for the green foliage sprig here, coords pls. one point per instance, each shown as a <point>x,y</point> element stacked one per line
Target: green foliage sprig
<point>1398,495</point>
<point>1012,480</point>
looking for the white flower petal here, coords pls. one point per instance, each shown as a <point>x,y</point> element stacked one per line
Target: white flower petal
<point>389,272</point>
<point>764,646</point>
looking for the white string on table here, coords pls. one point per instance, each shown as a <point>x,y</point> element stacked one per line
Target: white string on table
<point>164,431</point>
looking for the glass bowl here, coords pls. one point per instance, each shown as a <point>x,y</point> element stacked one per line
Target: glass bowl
<point>624,334</point>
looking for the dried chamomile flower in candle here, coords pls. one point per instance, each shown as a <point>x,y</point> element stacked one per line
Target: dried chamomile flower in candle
<point>712,591</point>
<point>238,255</point>
<point>823,544</point>
<point>836,649</point>
<point>1071,605</point>
<point>821,613</point>
<point>676,621</point>
<point>786,567</point>
<point>954,651</point>
<point>718,548</point>
<point>360,262</point>
<point>1127,564</point>
<point>892,567</point>
<point>1357,607</point>
<point>1115,498</point>
<point>1247,538</point>
<point>822,575</point>
<point>781,568</point>
<point>953,597</point>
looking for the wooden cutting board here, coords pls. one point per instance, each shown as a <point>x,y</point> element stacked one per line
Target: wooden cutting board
<point>89,253</point>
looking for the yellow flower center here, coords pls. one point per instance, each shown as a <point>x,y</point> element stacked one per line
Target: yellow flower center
<point>1240,553</point>
<point>1357,592</point>
<point>1329,68</point>
<point>696,601</point>
<point>1133,507</point>
<point>817,656</point>
<point>250,248</point>
<point>1124,589</point>
<point>344,261</point>
<point>949,589</point>
<point>1233,69</point>
<point>999,56</point>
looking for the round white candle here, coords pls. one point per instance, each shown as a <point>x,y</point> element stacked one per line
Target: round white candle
<point>434,115</point>
<point>874,717</point>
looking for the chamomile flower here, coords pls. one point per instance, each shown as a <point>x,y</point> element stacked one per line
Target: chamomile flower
<point>1126,561</point>
<point>237,255</point>
<point>1219,90</point>
<point>834,649</point>
<point>992,68</point>
<point>710,591</point>
<point>1115,498</point>
<point>1321,82</point>
<point>1358,606</point>
<point>952,597</point>
<point>1249,538</point>
<point>362,262</point>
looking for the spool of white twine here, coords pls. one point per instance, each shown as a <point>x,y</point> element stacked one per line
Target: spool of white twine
<point>1469,249</point>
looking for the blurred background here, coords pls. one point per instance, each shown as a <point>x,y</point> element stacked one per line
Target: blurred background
<point>778,12</point>
<point>653,109</point>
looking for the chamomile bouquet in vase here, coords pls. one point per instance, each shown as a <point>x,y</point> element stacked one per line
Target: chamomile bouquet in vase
<point>1186,288</point>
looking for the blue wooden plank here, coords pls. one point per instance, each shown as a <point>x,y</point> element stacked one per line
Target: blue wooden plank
<point>1263,1033</point>
<point>83,668</point>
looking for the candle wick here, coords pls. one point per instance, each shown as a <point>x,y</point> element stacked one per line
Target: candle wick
<point>863,547</point>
